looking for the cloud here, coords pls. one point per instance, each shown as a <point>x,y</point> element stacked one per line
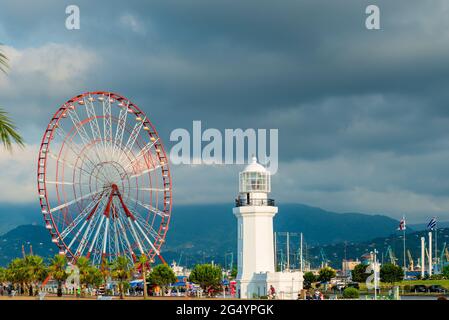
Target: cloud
<point>362,116</point>
<point>45,69</point>
<point>132,22</point>
<point>18,172</point>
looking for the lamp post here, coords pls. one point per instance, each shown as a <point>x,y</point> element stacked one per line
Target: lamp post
<point>374,254</point>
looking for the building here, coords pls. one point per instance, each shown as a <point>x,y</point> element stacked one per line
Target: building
<point>255,252</point>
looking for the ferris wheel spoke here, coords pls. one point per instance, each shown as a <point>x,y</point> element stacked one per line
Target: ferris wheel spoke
<point>65,205</point>
<point>61,182</point>
<point>107,124</point>
<point>79,127</point>
<point>145,171</point>
<point>86,213</point>
<point>95,128</point>
<point>144,151</point>
<point>149,207</point>
<point>147,227</point>
<point>94,240</point>
<point>77,234</point>
<point>76,150</point>
<point>87,234</point>
<point>131,140</point>
<point>146,237</point>
<point>122,227</point>
<point>105,235</point>
<point>135,236</point>
<point>69,164</point>
<point>118,141</point>
<point>116,237</point>
<point>148,189</point>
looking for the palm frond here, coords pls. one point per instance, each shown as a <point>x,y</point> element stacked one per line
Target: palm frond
<point>8,132</point>
<point>3,62</point>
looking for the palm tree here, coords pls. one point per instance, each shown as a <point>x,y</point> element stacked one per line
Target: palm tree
<point>142,264</point>
<point>36,271</point>
<point>8,131</point>
<point>16,274</point>
<point>84,265</point>
<point>3,276</point>
<point>121,271</point>
<point>57,270</point>
<point>105,270</point>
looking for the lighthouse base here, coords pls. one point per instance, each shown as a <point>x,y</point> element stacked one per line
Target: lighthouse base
<point>287,284</point>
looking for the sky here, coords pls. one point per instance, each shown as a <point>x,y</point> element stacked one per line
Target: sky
<point>363,115</point>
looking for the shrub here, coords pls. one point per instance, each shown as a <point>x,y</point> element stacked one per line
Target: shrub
<point>351,293</point>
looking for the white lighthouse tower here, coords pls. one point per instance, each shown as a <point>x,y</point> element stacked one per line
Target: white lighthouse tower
<point>255,242</point>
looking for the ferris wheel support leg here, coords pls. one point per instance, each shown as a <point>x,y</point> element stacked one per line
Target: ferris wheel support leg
<point>162,259</point>
<point>105,238</point>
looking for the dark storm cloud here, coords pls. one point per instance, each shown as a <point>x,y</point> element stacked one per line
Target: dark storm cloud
<point>336,91</point>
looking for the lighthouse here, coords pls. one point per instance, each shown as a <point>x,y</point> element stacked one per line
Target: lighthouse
<point>254,211</point>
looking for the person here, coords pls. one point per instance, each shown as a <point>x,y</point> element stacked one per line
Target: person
<point>272,292</point>
<point>317,295</point>
<point>308,295</point>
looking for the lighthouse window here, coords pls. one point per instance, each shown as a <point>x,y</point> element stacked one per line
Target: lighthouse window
<point>254,181</point>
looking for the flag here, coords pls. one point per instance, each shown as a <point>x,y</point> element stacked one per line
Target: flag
<point>432,224</point>
<point>402,225</point>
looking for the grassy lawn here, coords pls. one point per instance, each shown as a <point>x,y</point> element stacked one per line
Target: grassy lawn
<point>443,283</point>
<point>385,287</point>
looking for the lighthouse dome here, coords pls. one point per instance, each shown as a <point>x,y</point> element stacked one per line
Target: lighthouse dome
<point>254,166</point>
<point>255,179</point>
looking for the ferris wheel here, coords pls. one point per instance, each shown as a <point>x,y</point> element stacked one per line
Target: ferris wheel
<point>103,180</point>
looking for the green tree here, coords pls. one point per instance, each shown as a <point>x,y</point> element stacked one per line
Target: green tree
<point>121,271</point>
<point>3,275</point>
<point>84,266</point>
<point>359,273</point>
<point>8,131</point>
<point>309,279</point>
<point>445,272</point>
<point>57,270</point>
<point>389,273</point>
<point>234,272</point>
<point>105,270</point>
<point>17,274</point>
<point>90,276</point>
<point>142,264</point>
<point>162,275</point>
<point>207,276</point>
<point>326,274</point>
<point>36,271</point>
<point>351,293</point>
<point>95,277</point>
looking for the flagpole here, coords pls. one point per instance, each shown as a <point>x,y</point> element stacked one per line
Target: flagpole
<point>436,246</point>
<point>403,230</point>
<point>405,263</point>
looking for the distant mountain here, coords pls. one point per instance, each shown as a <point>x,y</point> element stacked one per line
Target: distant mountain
<point>35,236</point>
<point>205,232</point>
<point>13,215</point>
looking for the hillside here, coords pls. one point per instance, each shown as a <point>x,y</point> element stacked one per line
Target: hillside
<point>202,233</point>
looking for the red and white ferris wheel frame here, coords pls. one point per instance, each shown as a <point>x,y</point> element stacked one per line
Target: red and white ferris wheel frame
<point>162,159</point>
